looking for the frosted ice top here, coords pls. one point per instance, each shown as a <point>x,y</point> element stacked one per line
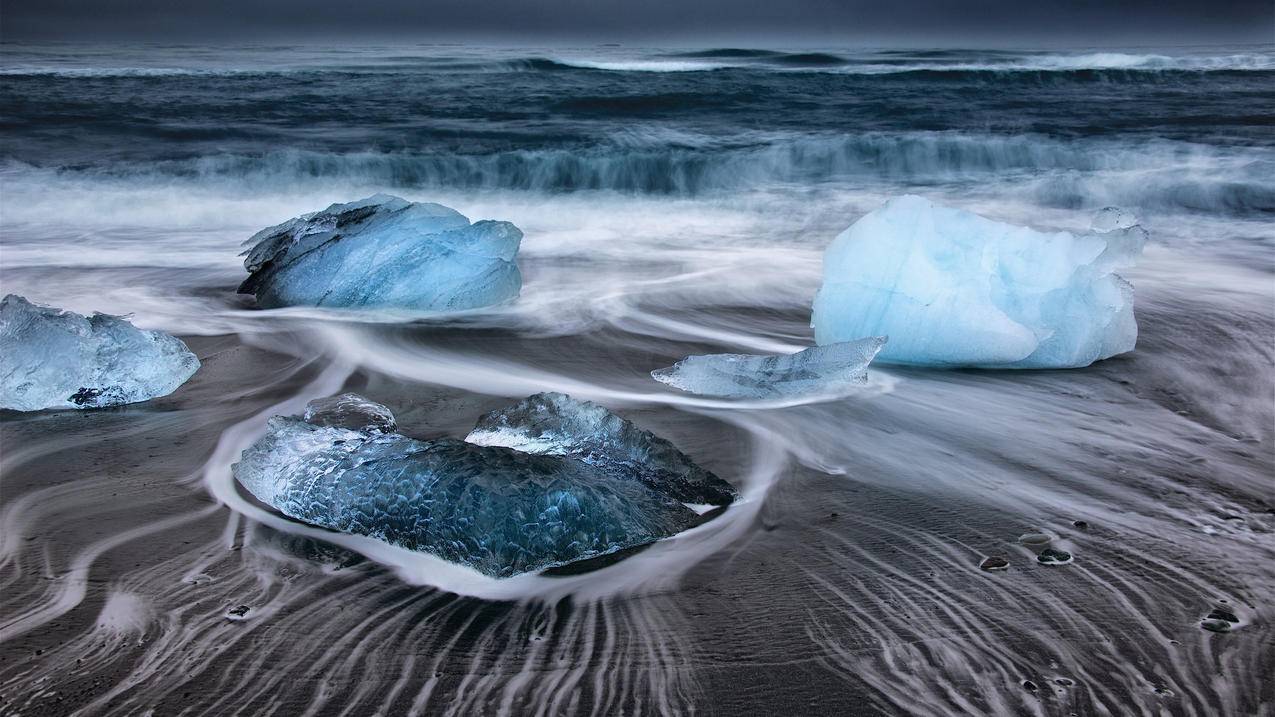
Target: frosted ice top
<point>556,424</point>
<point>384,252</point>
<point>497,510</point>
<point>818,369</point>
<point>951,288</point>
<point>51,358</point>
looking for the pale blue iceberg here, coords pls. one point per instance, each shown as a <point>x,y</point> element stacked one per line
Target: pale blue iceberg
<point>497,510</point>
<point>384,252</point>
<point>558,425</point>
<point>51,358</point>
<point>816,370</point>
<point>951,288</point>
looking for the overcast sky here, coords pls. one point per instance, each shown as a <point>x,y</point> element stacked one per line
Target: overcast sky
<point>946,22</point>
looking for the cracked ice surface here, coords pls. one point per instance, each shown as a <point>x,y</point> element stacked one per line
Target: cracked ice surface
<point>51,358</point>
<point>384,252</point>
<point>497,510</point>
<point>556,424</point>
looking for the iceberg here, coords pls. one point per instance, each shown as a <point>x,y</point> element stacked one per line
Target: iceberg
<point>556,424</point>
<point>951,288</point>
<point>51,358</point>
<point>497,510</point>
<point>384,252</point>
<point>818,369</point>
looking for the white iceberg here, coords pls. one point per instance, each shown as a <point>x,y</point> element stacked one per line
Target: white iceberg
<point>384,252</point>
<point>951,288</point>
<point>51,358</point>
<point>819,369</point>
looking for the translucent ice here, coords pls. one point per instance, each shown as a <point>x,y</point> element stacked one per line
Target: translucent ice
<point>384,252</point>
<point>495,509</point>
<point>818,369</point>
<point>556,424</point>
<point>951,288</point>
<point>1112,218</point>
<point>51,358</point>
<point>352,411</point>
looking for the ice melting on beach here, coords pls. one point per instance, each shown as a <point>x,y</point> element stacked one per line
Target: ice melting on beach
<point>951,288</point>
<point>497,510</point>
<point>384,252</point>
<point>556,424</point>
<point>51,358</point>
<point>819,369</point>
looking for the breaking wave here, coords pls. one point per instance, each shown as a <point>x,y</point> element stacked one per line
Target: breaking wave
<point>1157,174</point>
<point>959,64</point>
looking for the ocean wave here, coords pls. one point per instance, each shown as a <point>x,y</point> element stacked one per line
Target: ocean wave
<point>953,63</point>
<point>1066,173</point>
<point>626,65</point>
<point>111,72</point>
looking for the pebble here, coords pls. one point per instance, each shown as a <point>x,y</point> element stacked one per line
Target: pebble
<point>994,563</point>
<point>238,613</point>
<point>1220,620</point>
<point>1049,556</point>
<point>1035,539</point>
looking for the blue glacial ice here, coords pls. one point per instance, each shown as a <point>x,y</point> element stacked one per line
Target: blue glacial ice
<point>384,252</point>
<point>556,424</point>
<point>816,370</point>
<point>497,510</point>
<point>51,358</point>
<point>951,288</point>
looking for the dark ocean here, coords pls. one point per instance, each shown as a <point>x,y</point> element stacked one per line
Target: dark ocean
<point>673,201</point>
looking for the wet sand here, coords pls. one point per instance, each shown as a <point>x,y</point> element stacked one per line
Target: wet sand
<point>854,587</point>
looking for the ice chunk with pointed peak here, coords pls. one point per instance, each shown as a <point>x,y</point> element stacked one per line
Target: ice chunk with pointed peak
<point>819,369</point>
<point>951,288</point>
<point>556,424</point>
<point>497,510</point>
<point>51,358</point>
<point>384,252</point>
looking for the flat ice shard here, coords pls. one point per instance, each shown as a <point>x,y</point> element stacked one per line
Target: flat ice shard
<point>951,288</point>
<point>494,509</point>
<point>819,369</point>
<point>51,358</point>
<point>558,425</point>
<point>384,252</point>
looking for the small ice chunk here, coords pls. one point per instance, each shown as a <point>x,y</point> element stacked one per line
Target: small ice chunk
<point>384,252</point>
<point>1109,219</point>
<point>951,288</point>
<point>556,424</point>
<point>51,358</point>
<point>494,509</point>
<point>818,369</point>
<point>352,411</point>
